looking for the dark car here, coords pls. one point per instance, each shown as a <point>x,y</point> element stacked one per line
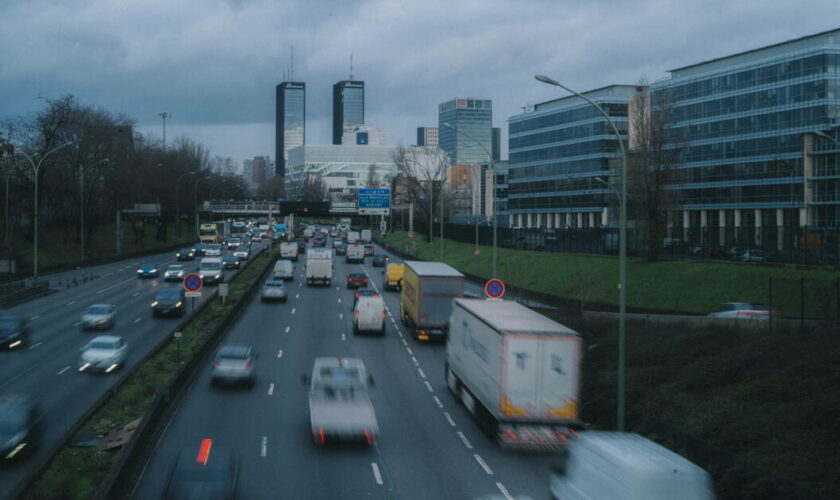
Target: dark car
<point>356,280</point>
<point>20,418</point>
<point>185,254</point>
<point>301,243</point>
<point>341,249</point>
<point>363,292</point>
<point>380,260</point>
<point>208,471</point>
<point>369,250</point>
<point>230,262</point>
<point>319,242</point>
<point>13,331</point>
<point>147,270</point>
<point>169,301</point>
<point>199,249</point>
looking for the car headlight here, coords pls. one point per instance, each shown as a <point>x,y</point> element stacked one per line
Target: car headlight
<point>139,270</point>
<point>179,304</point>
<point>154,304</point>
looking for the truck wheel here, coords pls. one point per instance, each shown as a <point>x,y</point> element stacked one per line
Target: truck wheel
<point>486,421</point>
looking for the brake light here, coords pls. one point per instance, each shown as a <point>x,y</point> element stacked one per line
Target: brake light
<point>356,314</point>
<point>321,434</point>
<point>204,451</point>
<point>383,314</point>
<point>368,437</point>
<point>511,435</point>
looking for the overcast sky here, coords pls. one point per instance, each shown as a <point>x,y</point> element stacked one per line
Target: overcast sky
<point>214,64</point>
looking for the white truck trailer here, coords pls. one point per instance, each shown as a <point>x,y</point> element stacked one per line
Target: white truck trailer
<point>515,370</point>
<point>318,266</point>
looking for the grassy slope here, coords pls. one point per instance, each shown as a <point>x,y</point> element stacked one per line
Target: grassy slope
<point>697,287</point>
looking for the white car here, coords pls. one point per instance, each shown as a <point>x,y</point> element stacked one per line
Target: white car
<point>175,272</point>
<point>104,353</point>
<point>242,253</point>
<point>99,316</point>
<point>743,310</point>
<point>213,250</point>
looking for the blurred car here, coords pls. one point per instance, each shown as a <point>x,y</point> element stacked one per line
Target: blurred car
<point>13,331</point>
<point>380,260</point>
<point>242,253</point>
<point>185,254</point>
<point>147,270</point>
<point>273,289</point>
<point>339,405</point>
<point>753,256</point>
<point>356,280</point>
<point>213,250</point>
<point>207,472</point>
<point>743,310</point>
<point>230,262</point>
<point>363,292</point>
<point>234,364</point>
<point>99,317</point>
<point>175,272</point>
<point>232,243</point>
<point>341,249</point>
<point>20,419</point>
<point>104,353</point>
<point>301,245</point>
<point>369,250</point>
<point>319,242</point>
<point>198,249</point>
<point>333,234</point>
<point>170,301</point>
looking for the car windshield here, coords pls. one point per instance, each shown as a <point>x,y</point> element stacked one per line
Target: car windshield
<point>357,276</point>
<point>176,268</point>
<point>99,309</point>
<point>8,323</point>
<point>104,345</point>
<point>169,294</point>
<point>210,266</point>
<point>214,246</point>
<point>242,249</point>
<point>234,352</point>
<point>12,419</point>
<point>148,265</point>
<point>229,258</point>
<point>278,284</point>
<point>185,250</point>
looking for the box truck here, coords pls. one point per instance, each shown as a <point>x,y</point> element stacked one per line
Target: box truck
<point>353,237</point>
<point>318,266</point>
<point>428,289</point>
<point>366,236</point>
<point>289,250</point>
<point>516,371</point>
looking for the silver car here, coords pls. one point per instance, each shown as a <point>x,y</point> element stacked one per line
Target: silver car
<point>274,289</point>
<point>104,353</point>
<point>235,364</point>
<point>99,316</point>
<point>743,310</point>
<point>213,250</point>
<point>175,272</point>
<point>242,253</point>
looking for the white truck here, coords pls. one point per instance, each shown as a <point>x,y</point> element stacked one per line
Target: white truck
<point>516,371</point>
<point>319,266</point>
<point>366,236</point>
<point>289,251</point>
<point>355,254</point>
<point>353,237</point>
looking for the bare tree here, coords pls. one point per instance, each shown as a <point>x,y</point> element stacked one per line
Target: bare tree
<point>371,175</point>
<point>655,147</point>
<point>313,188</point>
<point>422,170</point>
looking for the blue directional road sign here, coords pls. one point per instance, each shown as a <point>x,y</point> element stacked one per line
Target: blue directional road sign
<point>374,201</point>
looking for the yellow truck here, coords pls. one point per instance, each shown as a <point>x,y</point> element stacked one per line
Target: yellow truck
<point>394,276</point>
<point>428,292</point>
<point>209,233</point>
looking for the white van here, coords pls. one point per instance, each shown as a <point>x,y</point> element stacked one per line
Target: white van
<point>369,315</point>
<point>605,465</point>
<point>289,250</point>
<point>284,270</point>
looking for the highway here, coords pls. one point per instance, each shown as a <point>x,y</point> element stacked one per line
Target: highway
<point>45,367</point>
<point>429,446</point>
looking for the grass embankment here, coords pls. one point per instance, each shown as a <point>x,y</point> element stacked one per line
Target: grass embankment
<point>753,406</point>
<point>75,473</point>
<point>60,246</point>
<point>685,286</point>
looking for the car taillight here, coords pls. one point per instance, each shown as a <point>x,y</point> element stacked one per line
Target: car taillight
<point>356,314</point>
<point>383,314</point>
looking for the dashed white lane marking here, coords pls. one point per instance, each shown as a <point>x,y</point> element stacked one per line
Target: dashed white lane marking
<point>376,474</point>
<point>71,302</point>
<point>293,310</point>
<point>343,337</point>
<point>504,491</point>
<point>437,401</point>
<point>449,418</point>
<point>135,294</point>
<point>421,372</point>
<point>300,284</point>
<point>414,360</point>
<point>339,301</point>
<point>288,328</point>
<point>271,389</point>
<point>63,370</point>
<point>33,346</point>
<point>409,351</point>
<point>114,285</point>
<point>138,319</point>
<point>297,295</point>
<point>264,446</point>
<point>429,386</point>
<point>77,323</point>
<point>280,354</point>
<point>483,465</point>
<point>465,440</point>
<point>338,288</point>
<point>33,318</point>
<point>340,315</point>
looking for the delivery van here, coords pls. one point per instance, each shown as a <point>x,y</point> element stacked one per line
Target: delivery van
<point>369,315</point>
<point>394,276</point>
<point>284,270</point>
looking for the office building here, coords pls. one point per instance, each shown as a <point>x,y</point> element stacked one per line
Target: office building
<point>500,192</point>
<point>427,136</point>
<point>470,116</point>
<point>290,126</point>
<point>361,135</point>
<point>560,154</point>
<point>496,142</point>
<point>752,169</point>
<point>340,167</point>
<point>348,106</point>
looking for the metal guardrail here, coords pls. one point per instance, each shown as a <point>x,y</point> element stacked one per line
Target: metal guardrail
<point>18,293</point>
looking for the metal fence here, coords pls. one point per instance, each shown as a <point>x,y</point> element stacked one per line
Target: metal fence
<point>813,303</point>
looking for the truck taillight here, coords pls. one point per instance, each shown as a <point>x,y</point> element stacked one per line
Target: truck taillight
<point>356,314</point>
<point>383,314</point>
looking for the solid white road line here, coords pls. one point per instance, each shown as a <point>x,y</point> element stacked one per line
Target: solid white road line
<point>449,418</point>
<point>33,346</point>
<point>264,446</point>
<point>504,491</point>
<point>376,475</point>
<point>270,389</point>
<point>429,386</point>
<point>288,328</point>
<point>437,400</point>
<point>465,440</point>
<point>138,319</point>
<point>63,370</point>
<point>483,464</point>
<point>280,354</point>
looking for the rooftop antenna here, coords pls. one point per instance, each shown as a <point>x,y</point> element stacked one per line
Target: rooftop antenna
<point>292,65</point>
<point>351,66</point>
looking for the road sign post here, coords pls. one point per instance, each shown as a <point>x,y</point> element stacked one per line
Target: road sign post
<point>494,289</point>
<point>192,285</point>
<point>374,201</point>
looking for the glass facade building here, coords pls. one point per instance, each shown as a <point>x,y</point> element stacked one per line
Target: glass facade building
<point>427,136</point>
<point>473,116</point>
<point>745,127</point>
<point>348,106</point>
<point>560,154</point>
<point>290,130</point>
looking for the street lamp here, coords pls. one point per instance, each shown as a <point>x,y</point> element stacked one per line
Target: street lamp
<point>178,203</point>
<point>35,170</point>
<point>622,246</point>
<point>82,205</point>
<point>164,115</point>
<point>493,170</point>
<point>195,201</point>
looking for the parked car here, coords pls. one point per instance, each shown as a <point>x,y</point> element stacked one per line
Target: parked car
<point>273,289</point>
<point>235,364</point>
<point>174,272</point>
<point>20,427</point>
<point>147,270</point>
<point>242,253</point>
<point>356,280</point>
<point>99,317</point>
<point>380,260</point>
<point>169,301</point>
<point>104,353</point>
<point>230,262</point>
<point>13,331</point>
<point>209,471</point>
<point>743,310</point>
<point>185,254</point>
<point>369,250</point>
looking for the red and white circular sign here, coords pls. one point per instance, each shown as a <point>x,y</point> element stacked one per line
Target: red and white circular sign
<point>494,289</point>
<point>411,234</point>
<point>477,251</point>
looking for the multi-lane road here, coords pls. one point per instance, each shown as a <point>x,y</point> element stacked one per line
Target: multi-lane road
<point>429,446</point>
<point>46,366</point>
